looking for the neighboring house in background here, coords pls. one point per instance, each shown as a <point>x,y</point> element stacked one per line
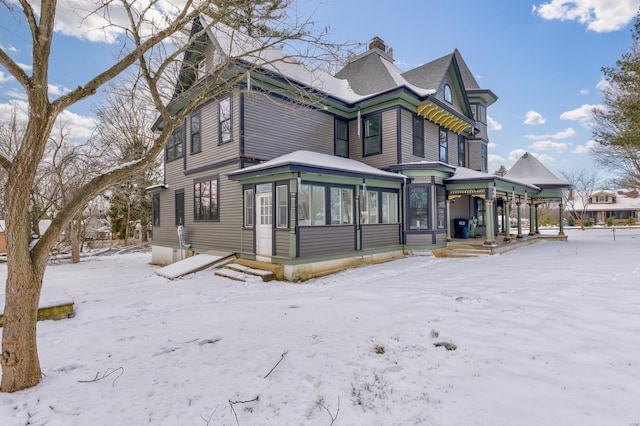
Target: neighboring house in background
<point>3,238</point>
<point>312,170</point>
<point>619,204</point>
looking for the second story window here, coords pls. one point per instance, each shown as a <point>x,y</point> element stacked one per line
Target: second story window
<point>372,135</point>
<point>479,113</point>
<point>443,145</point>
<point>175,145</point>
<point>447,94</point>
<point>341,146</point>
<point>418,136</point>
<point>224,116</point>
<point>195,133</point>
<point>483,154</point>
<point>462,151</point>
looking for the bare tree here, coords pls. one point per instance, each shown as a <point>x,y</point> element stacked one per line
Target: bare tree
<point>154,37</point>
<point>583,184</point>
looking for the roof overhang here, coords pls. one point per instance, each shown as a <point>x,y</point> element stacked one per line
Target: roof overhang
<point>431,111</point>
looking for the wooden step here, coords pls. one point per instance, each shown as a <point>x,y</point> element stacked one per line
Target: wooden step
<point>265,275</point>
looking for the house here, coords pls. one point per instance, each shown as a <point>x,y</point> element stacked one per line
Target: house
<point>619,204</point>
<point>318,172</point>
<point>3,238</point>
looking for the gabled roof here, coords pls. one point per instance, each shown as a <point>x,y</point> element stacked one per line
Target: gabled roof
<point>530,170</point>
<point>463,174</point>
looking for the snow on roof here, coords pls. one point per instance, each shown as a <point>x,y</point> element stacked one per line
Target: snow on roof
<point>43,225</point>
<point>530,170</point>
<point>465,174</point>
<point>322,161</point>
<point>237,45</point>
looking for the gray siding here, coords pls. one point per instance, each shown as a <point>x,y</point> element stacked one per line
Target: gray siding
<point>274,128</point>
<point>389,154</point>
<point>431,141</point>
<point>326,240</point>
<point>282,243</point>
<point>223,234</point>
<point>381,235</point>
<point>475,154</point>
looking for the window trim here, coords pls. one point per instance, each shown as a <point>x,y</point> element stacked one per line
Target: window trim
<point>462,151</point>
<point>409,211</point>
<point>155,210</point>
<point>224,120</point>
<point>484,156</point>
<point>336,122</point>
<point>340,189</point>
<point>284,224</point>
<point>198,132</point>
<point>418,123</point>
<point>443,144</point>
<point>178,210</point>
<point>447,95</point>
<point>214,217</point>
<point>170,149</point>
<point>248,217</point>
<point>201,69</point>
<point>380,213</point>
<point>366,119</point>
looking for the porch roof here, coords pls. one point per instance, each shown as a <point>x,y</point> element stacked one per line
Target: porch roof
<point>465,175</point>
<point>315,162</point>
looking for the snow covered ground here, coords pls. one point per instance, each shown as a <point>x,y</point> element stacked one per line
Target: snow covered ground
<point>548,334</point>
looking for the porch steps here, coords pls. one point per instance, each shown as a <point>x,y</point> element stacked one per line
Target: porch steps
<point>240,272</point>
<point>459,249</point>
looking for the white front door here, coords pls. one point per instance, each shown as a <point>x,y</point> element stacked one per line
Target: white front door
<point>264,233</point>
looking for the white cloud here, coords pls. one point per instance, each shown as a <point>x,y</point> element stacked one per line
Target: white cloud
<point>79,126</point>
<point>603,84</point>
<point>25,67</point>
<point>15,94</point>
<point>495,160</point>
<point>493,124</point>
<point>516,154</point>
<point>91,20</point>
<point>582,114</point>
<point>533,118</point>
<point>549,146</point>
<point>492,145</point>
<point>599,15</point>
<point>586,148</point>
<point>584,91</point>
<point>5,78</point>
<point>57,90</point>
<point>563,134</point>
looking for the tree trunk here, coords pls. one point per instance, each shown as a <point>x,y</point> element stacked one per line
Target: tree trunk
<point>19,359</point>
<point>75,229</point>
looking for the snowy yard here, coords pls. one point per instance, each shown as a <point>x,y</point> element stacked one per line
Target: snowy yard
<point>548,334</point>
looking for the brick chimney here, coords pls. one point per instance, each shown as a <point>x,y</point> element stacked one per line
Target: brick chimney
<point>379,43</point>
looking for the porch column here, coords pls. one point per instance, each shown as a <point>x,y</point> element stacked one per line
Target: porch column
<point>532,222</point>
<point>448,204</point>
<point>519,220</point>
<point>490,223</point>
<point>561,205</point>
<point>506,220</point>
<point>537,222</point>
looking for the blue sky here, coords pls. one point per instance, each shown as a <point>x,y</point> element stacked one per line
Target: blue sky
<point>542,58</point>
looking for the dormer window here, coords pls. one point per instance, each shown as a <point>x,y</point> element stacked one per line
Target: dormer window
<point>201,70</point>
<point>447,93</point>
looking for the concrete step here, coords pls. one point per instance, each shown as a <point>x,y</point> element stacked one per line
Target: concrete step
<point>235,275</point>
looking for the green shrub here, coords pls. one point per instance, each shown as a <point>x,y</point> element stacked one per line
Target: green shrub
<point>630,222</point>
<point>610,221</point>
<point>571,221</point>
<point>589,222</point>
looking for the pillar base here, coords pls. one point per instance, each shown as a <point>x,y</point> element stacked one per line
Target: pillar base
<point>490,243</point>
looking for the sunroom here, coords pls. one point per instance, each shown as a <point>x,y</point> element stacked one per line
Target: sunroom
<point>307,207</point>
